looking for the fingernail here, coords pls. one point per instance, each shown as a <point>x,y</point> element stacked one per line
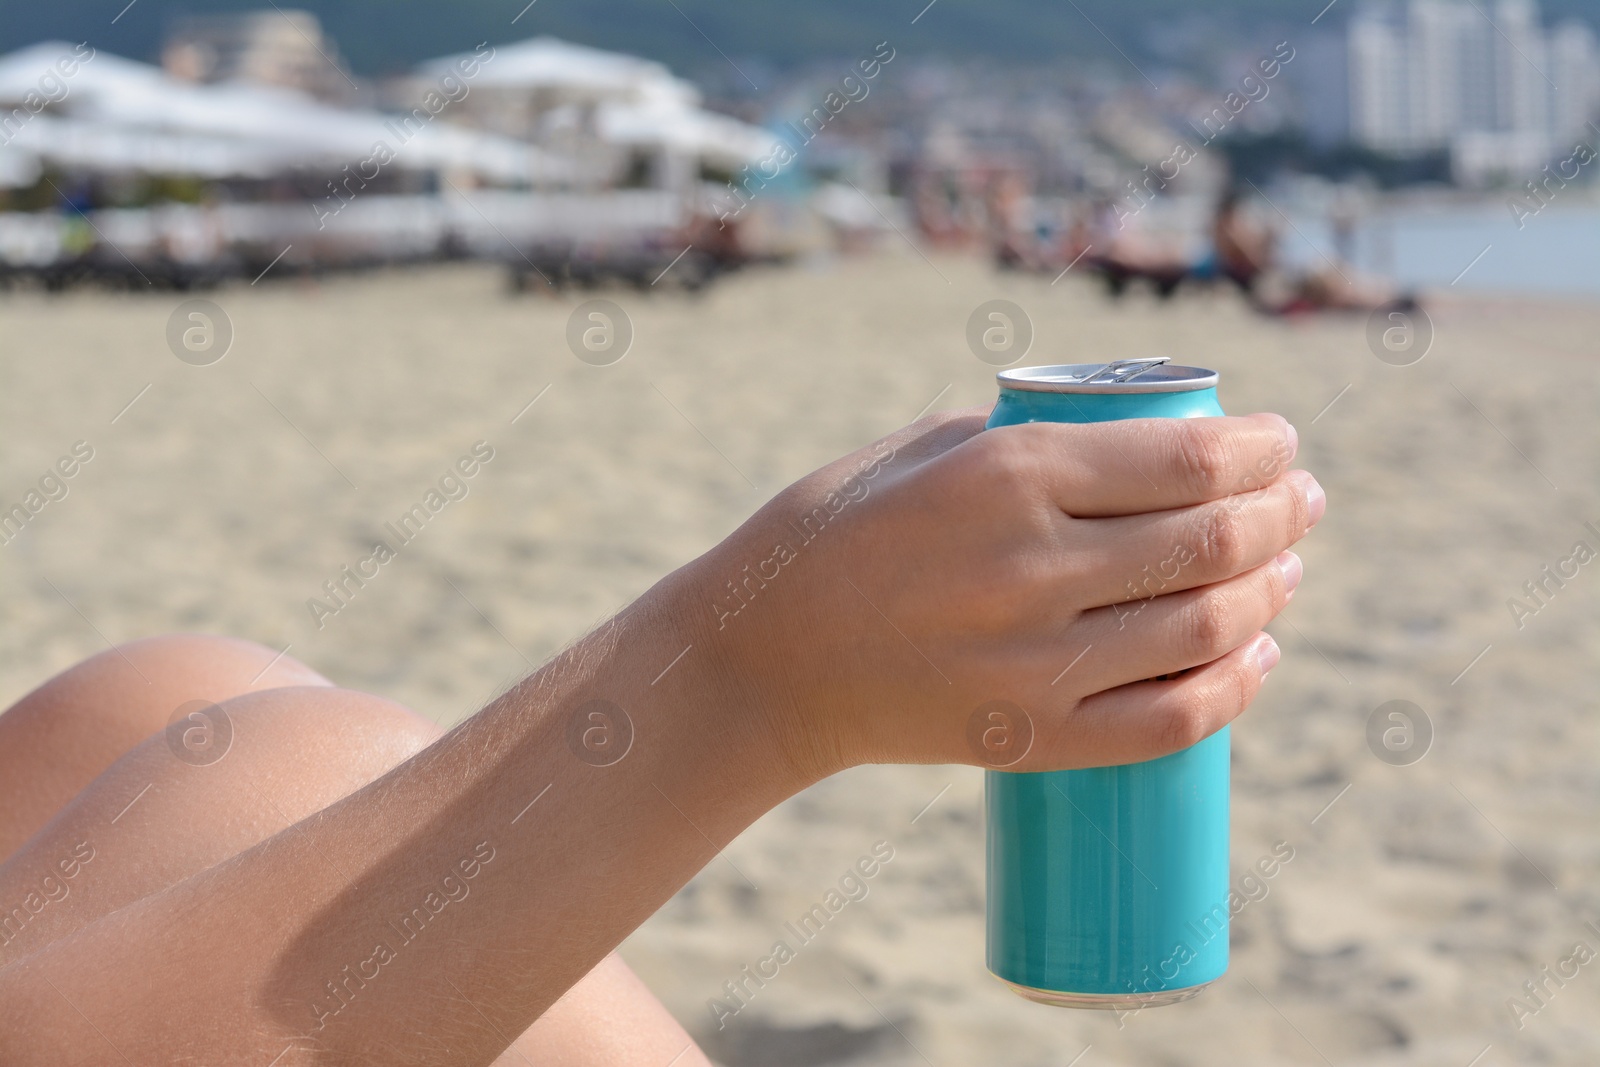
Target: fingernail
<point>1268,655</point>
<point>1316,499</point>
<point>1294,440</point>
<point>1293,571</point>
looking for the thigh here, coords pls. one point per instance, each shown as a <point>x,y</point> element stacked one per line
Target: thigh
<point>163,811</point>
<point>610,1018</point>
<point>58,738</point>
<point>159,814</point>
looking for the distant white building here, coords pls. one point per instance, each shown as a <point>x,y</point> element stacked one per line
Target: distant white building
<point>282,47</point>
<point>627,121</point>
<point>103,114</point>
<point>1486,82</point>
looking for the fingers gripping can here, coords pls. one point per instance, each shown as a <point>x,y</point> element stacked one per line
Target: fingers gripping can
<point>1108,886</point>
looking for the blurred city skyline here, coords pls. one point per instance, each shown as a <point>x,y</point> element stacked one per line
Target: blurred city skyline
<point>564,159</point>
<point>1494,88</point>
<point>694,36</point>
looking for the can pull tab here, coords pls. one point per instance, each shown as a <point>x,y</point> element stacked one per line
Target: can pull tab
<point>1123,370</point>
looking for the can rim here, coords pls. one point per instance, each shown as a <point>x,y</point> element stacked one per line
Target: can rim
<point>1067,378</point>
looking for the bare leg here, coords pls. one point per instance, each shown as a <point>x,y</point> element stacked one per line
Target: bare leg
<point>58,738</point>
<point>152,818</point>
<point>609,1018</point>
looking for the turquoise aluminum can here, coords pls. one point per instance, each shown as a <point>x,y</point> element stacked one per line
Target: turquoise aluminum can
<point>1108,886</point>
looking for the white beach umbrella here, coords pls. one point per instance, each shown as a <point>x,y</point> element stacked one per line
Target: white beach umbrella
<point>548,62</point>
<point>116,113</point>
<point>714,137</point>
<point>639,101</point>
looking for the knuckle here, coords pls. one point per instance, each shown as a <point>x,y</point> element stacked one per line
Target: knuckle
<point>1276,593</point>
<point>1246,682</point>
<point>1007,461</point>
<point>1299,516</point>
<point>991,606</point>
<point>1203,457</point>
<point>1224,540</point>
<point>1205,627</point>
<point>1186,724</point>
<point>1233,689</point>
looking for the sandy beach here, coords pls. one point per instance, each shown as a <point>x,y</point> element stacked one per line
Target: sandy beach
<point>1419,898</point>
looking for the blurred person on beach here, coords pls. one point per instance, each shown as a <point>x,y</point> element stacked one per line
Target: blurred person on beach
<point>1008,211</point>
<point>320,877</point>
<point>1245,253</point>
<point>1127,253</point>
<point>1238,250</point>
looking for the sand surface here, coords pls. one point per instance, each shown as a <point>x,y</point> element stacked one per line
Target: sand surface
<point>1415,905</point>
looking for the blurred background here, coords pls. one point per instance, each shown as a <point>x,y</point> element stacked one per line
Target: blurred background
<point>265,274</point>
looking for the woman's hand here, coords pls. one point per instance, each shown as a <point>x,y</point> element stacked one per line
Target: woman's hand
<point>1010,598</point>
<point>928,598</point>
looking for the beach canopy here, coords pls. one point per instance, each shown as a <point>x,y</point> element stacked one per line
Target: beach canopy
<point>660,121</point>
<point>115,114</point>
<point>551,63</point>
<point>637,102</point>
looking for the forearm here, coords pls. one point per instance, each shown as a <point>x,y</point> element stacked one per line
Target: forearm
<point>878,604</point>
<point>449,903</point>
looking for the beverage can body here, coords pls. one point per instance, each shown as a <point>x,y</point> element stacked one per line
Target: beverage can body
<point>1108,886</point>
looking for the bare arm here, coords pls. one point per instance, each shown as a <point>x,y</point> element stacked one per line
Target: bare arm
<point>433,915</point>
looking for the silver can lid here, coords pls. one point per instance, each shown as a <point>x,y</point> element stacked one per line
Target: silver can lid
<point>1153,374</point>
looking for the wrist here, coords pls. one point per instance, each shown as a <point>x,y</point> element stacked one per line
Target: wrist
<point>744,667</point>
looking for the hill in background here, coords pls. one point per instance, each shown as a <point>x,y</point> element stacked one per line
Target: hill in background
<point>705,38</point>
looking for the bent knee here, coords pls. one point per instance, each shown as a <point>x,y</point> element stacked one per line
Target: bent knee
<point>84,718</point>
<point>359,735</point>
<point>61,736</point>
<point>131,689</point>
<point>227,665</point>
